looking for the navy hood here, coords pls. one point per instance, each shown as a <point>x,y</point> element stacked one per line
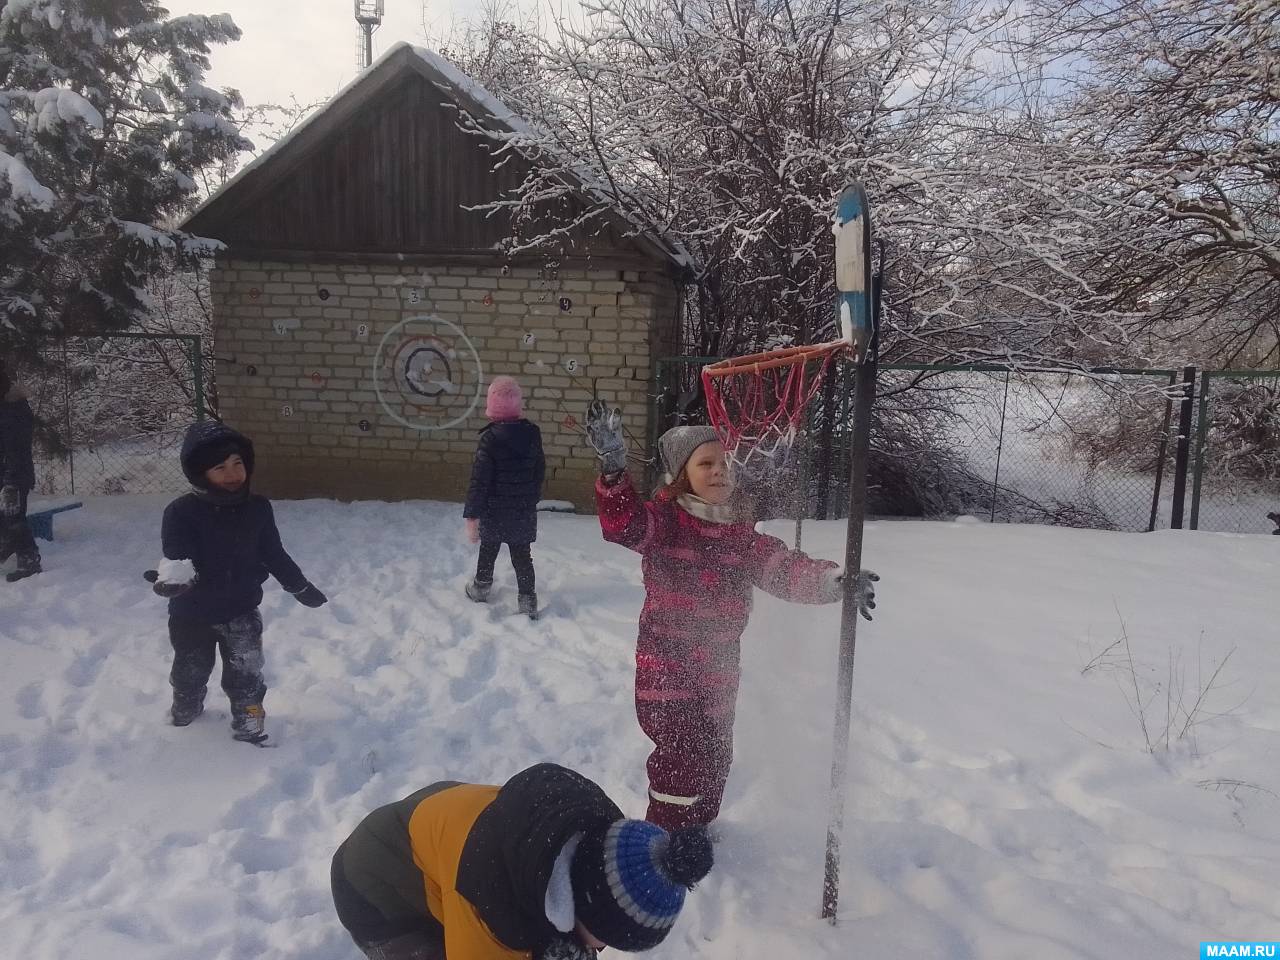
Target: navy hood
<point>208,433</point>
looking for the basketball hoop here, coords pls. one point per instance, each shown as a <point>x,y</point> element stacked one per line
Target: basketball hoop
<point>756,403</point>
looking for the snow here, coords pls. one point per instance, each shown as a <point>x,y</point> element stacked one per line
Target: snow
<point>176,571</point>
<point>146,234</point>
<point>1002,802</point>
<point>56,106</point>
<point>559,506</point>
<point>23,184</point>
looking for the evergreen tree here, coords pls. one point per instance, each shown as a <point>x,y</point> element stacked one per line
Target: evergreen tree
<point>105,124</point>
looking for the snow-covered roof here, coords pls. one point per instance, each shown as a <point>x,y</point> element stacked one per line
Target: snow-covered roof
<point>463,90</point>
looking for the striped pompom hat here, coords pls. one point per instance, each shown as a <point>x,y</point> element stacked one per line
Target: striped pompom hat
<point>629,880</point>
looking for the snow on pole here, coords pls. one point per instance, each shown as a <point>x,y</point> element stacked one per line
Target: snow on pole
<point>857,307</point>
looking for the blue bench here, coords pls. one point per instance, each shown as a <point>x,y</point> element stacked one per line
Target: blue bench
<point>41,521</point>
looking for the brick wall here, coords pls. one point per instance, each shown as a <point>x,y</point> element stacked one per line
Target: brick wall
<point>297,348</point>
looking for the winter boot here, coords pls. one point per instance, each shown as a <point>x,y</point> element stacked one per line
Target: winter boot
<point>479,592</point>
<point>184,711</point>
<point>248,723</point>
<point>28,566</point>
<point>528,603</point>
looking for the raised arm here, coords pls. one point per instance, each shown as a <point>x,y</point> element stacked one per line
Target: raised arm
<point>624,517</point>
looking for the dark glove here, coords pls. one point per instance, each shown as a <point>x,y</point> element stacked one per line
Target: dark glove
<point>565,947</point>
<point>604,431</point>
<point>10,502</point>
<point>163,589</point>
<point>310,596</point>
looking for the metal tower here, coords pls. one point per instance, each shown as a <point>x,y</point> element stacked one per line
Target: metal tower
<point>368,19</point>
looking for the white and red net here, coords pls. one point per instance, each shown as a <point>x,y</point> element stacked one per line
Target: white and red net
<point>757,402</point>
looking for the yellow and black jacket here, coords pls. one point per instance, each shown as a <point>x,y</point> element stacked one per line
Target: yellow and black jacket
<point>469,860</point>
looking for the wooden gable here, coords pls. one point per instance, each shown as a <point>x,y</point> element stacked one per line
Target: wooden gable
<point>384,169</point>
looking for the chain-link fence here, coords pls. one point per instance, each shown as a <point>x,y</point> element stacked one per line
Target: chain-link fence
<point>1236,481</point>
<point>1063,447</point>
<point>110,413</point>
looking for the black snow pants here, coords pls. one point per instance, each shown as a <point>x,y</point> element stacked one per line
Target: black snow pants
<point>195,646</point>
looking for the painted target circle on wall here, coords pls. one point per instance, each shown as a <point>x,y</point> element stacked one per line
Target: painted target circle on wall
<point>427,374</point>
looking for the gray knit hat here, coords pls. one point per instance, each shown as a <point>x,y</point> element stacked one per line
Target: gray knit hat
<point>678,443</point>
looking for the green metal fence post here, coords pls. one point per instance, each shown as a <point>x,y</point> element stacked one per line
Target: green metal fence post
<point>1161,454</point>
<point>995,481</point>
<point>197,371</point>
<point>1184,446</point>
<point>1202,435</point>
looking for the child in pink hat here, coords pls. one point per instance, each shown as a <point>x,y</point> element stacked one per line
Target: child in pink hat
<point>506,485</point>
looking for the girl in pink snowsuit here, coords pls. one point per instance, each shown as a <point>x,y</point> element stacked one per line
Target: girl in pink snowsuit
<point>701,562</point>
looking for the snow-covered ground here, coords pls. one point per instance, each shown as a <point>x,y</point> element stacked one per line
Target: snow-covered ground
<point>1002,802</point>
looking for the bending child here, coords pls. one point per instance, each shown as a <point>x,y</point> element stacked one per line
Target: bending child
<point>544,866</point>
<point>701,560</point>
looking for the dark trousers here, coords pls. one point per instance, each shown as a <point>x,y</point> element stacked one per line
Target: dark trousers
<point>521,560</point>
<point>15,533</point>
<point>195,646</point>
<point>378,937</point>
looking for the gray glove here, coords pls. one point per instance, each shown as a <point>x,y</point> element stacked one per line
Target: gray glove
<point>10,502</point>
<point>864,590</point>
<point>604,431</point>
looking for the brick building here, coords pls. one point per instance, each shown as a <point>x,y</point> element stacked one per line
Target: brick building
<point>360,309</point>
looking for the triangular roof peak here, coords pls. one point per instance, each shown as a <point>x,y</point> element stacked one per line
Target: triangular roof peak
<point>274,165</point>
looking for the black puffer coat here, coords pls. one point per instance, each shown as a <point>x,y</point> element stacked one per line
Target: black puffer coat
<point>506,482</point>
<point>470,861</point>
<point>17,426</point>
<point>231,539</point>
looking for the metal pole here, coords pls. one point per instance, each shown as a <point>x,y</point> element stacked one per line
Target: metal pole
<point>1184,447</point>
<point>197,371</point>
<point>1202,437</point>
<point>995,481</point>
<point>66,406</point>
<point>1163,453</point>
<point>802,494</point>
<point>864,397</point>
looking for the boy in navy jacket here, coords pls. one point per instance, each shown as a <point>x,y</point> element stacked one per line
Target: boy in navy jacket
<point>229,537</point>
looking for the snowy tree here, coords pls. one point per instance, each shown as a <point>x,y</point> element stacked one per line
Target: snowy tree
<point>1164,157</point>
<point>105,125</point>
<point>729,128</point>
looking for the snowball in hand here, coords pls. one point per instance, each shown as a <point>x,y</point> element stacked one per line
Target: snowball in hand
<point>176,571</point>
